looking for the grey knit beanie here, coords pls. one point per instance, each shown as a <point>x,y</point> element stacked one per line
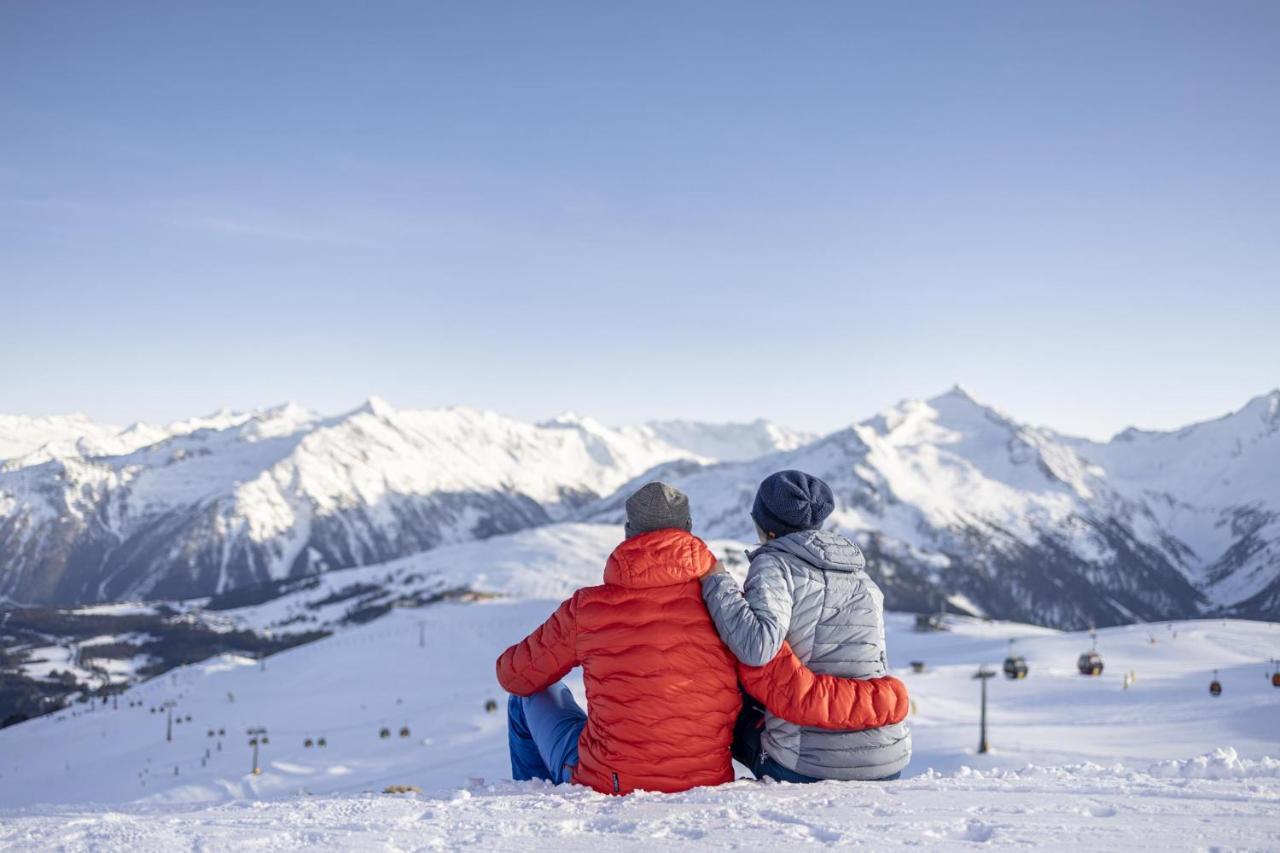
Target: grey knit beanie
<point>657,506</point>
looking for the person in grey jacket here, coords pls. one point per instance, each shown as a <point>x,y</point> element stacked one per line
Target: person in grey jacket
<point>810,588</point>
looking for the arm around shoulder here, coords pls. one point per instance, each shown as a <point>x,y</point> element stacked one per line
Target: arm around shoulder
<point>752,621</point>
<point>797,694</point>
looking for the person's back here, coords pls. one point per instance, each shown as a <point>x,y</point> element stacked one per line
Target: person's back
<point>836,628</point>
<point>810,588</point>
<point>662,688</point>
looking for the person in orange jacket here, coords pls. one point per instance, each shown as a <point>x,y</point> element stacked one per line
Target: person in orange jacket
<point>662,687</point>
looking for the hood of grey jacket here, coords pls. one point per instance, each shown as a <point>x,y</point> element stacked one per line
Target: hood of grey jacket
<point>821,549</point>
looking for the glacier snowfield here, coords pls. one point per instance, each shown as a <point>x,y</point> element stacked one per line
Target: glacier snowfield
<point>1076,762</point>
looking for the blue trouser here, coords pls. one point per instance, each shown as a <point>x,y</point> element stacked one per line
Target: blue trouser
<point>747,750</point>
<point>542,732</point>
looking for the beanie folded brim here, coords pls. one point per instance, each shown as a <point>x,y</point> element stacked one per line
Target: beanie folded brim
<point>769,522</point>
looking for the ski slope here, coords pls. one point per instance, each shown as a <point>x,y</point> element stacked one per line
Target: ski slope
<point>1076,762</point>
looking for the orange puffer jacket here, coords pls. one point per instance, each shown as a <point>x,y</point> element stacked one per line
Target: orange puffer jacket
<point>662,689</point>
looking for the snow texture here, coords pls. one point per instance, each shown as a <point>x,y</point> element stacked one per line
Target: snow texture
<point>1076,763</point>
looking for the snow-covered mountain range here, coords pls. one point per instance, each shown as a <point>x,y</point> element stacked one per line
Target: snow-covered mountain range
<point>285,492</point>
<point>949,497</point>
<point>953,498</point>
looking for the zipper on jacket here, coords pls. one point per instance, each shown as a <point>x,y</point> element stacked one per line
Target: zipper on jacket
<point>616,787</point>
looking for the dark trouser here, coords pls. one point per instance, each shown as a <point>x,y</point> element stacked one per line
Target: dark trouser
<point>748,752</point>
<point>542,733</point>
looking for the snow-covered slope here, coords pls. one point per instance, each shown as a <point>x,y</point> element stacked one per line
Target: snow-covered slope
<point>1069,753</point>
<point>951,497</point>
<point>284,492</point>
<point>1216,487</point>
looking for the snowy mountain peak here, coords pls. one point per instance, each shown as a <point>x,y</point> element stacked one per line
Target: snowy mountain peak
<point>947,418</point>
<point>959,403</point>
<point>956,392</point>
<point>570,419</point>
<point>27,441</point>
<point>728,442</point>
<point>376,406</point>
<point>1266,406</point>
<point>223,418</point>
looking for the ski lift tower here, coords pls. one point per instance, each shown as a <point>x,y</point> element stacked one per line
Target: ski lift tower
<point>257,735</point>
<point>983,674</point>
<point>168,731</point>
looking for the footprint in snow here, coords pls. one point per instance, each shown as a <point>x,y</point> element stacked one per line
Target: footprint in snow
<point>813,830</point>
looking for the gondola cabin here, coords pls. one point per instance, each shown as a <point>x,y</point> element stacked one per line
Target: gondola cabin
<point>1090,663</point>
<point>1015,667</point>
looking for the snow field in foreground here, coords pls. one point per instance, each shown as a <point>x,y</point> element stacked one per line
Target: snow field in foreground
<point>1078,808</point>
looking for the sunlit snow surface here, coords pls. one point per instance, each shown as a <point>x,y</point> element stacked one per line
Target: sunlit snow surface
<point>1077,763</point>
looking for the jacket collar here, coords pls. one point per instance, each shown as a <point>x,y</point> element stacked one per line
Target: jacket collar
<point>658,558</point>
<point>823,549</point>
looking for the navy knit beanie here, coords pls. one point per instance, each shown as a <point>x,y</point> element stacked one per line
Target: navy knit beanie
<point>789,501</point>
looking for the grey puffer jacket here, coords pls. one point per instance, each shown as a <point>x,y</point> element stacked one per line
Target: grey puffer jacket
<point>811,589</point>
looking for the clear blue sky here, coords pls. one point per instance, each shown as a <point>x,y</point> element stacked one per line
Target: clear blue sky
<point>802,211</point>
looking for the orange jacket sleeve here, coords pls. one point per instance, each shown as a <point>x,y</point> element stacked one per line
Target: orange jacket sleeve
<point>544,657</point>
<point>792,691</point>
